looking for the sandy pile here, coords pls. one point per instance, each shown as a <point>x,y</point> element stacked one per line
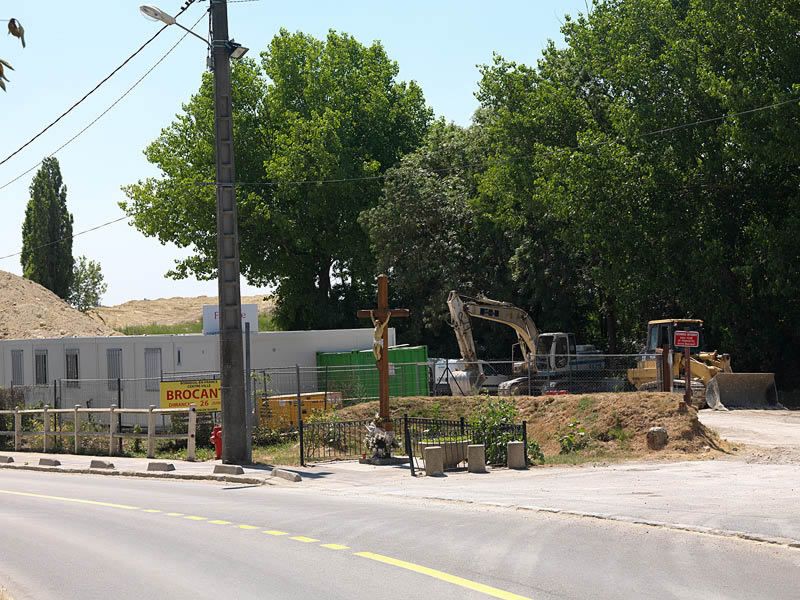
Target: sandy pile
<point>615,424</point>
<point>27,310</point>
<point>166,311</point>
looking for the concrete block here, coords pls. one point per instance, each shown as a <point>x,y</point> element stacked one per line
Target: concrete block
<point>516,455</point>
<point>101,464</point>
<point>657,438</point>
<point>4,460</point>
<point>287,475</point>
<point>228,470</point>
<point>49,462</point>
<point>160,466</point>
<point>476,458</point>
<point>434,460</point>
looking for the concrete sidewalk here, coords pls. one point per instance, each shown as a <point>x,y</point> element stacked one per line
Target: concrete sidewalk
<point>729,497</point>
<point>136,467</point>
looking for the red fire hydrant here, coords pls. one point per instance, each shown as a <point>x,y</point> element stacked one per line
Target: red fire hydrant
<point>216,439</point>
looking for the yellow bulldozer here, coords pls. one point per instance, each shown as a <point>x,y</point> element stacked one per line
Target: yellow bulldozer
<point>714,384</point>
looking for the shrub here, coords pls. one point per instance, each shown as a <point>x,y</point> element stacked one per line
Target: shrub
<point>574,439</point>
<point>492,426</point>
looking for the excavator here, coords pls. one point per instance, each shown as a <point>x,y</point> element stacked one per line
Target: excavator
<point>557,352</point>
<point>714,384</point>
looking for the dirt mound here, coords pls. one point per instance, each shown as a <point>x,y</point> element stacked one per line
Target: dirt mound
<point>28,310</point>
<point>607,426</point>
<point>166,311</point>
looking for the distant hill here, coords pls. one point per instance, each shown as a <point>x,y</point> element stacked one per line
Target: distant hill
<point>28,310</point>
<point>166,311</point>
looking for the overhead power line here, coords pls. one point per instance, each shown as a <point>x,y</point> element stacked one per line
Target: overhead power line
<point>107,110</point>
<point>477,165</point>
<point>70,237</point>
<point>95,88</point>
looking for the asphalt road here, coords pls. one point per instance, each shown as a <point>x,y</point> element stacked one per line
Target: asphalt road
<point>75,536</point>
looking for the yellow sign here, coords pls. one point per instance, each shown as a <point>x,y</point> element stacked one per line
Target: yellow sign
<point>204,394</point>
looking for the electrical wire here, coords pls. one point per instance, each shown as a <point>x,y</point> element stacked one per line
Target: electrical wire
<point>64,239</point>
<point>107,110</point>
<point>478,165</point>
<point>95,88</point>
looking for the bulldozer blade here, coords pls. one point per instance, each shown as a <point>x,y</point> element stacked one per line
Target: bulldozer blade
<point>742,390</point>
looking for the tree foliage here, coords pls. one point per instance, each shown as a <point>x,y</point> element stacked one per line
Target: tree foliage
<point>88,284</point>
<point>311,110</point>
<point>589,155</point>
<point>47,232</point>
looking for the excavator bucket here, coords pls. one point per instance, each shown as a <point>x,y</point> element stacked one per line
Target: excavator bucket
<point>742,390</point>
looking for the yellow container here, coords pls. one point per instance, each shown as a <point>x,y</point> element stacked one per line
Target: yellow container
<point>280,412</point>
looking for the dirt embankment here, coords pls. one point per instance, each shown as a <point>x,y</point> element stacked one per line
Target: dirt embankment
<point>166,311</point>
<point>609,426</point>
<point>28,310</point>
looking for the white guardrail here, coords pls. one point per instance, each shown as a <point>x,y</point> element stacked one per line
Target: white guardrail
<point>113,434</point>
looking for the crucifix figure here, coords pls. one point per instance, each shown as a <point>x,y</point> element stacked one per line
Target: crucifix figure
<point>380,346</point>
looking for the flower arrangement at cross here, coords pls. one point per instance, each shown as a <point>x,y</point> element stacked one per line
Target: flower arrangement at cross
<point>379,441</point>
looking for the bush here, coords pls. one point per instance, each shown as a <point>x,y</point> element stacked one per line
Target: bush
<point>574,439</point>
<point>492,426</point>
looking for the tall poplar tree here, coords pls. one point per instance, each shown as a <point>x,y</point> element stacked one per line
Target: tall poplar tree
<point>47,232</point>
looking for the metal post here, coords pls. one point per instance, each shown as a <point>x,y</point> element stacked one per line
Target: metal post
<point>409,450</point>
<point>77,424</point>
<point>299,397</point>
<point>525,439</point>
<point>234,422</point>
<point>119,415</point>
<point>17,429</point>
<point>191,432</point>
<point>326,388</point>
<point>300,417</point>
<point>112,429</point>
<point>46,427</point>
<point>687,369</point>
<point>462,425</point>
<point>151,432</point>
<point>247,389</point>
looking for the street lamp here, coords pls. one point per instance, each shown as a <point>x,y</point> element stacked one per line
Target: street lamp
<point>235,446</point>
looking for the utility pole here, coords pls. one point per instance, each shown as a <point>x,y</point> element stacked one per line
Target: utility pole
<point>235,448</point>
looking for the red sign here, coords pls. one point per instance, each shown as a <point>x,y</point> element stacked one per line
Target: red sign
<point>687,339</point>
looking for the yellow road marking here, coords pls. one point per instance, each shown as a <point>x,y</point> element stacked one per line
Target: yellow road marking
<point>73,500</point>
<point>442,576</point>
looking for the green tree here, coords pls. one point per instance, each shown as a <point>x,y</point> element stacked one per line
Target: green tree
<point>47,232</point>
<point>588,150</point>
<point>88,285</point>
<point>312,110</point>
<point>426,234</point>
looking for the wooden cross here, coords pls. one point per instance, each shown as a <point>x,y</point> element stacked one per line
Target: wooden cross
<point>380,319</point>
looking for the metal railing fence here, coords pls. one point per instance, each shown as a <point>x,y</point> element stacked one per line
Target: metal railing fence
<point>92,430</point>
<point>347,440</point>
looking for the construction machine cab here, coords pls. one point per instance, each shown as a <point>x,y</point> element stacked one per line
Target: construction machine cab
<point>661,333</point>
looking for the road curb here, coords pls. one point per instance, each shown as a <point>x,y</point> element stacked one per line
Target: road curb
<point>287,475</point>
<point>699,529</point>
<point>730,533</point>
<point>151,475</point>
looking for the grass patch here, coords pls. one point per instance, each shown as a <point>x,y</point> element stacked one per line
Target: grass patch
<point>286,453</point>
<point>265,323</point>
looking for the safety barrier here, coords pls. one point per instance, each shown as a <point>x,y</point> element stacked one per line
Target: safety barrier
<point>53,424</point>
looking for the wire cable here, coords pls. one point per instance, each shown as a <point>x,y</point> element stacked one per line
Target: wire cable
<point>107,110</point>
<point>94,89</point>
<point>64,239</point>
<point>478,165</point>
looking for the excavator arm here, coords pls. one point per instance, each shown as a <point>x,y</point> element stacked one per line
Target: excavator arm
<point>463,307</point>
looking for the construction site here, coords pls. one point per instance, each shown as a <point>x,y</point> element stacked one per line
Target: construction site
<point>577,403</point>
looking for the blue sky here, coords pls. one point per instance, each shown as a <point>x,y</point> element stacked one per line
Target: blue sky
<point>72,45</point>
